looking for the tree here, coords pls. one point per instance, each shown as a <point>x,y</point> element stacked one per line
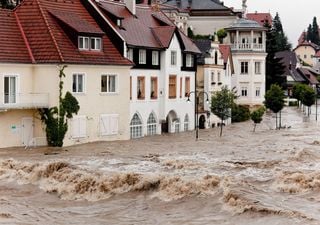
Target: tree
<point>56,118</point>
<point>315,32</point>
<point>221,103</point>
<point>256,116</point>
<point>297,91</point>
<point>221,35</point>
<point>308,97</point>
<point>309,33</point>
<point>274,67</point>
<point>282,42</point>
<point>274,100</point>
<point>7,4</point>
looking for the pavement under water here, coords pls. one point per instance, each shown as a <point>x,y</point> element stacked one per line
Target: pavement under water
<point>267,177</point>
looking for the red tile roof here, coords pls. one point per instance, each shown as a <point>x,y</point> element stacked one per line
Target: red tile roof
<point>149,28</point>
<point>49,39</point>
<point>309,75</point>
<point>13,48</point>
<point>225,52</point>
<point>261,18</point>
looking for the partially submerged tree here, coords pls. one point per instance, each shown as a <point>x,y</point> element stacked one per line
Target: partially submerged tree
<point>274,100</point>
<point>221,103</point>
<point>297,92</point>
<point>308,97</point>
<point>256,116</point>
<point>56,118</point>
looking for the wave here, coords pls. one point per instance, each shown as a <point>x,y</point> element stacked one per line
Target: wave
<point>72,183</point>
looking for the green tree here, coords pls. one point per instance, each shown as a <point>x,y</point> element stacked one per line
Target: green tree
<point>297,91</point>
<point>240,113</point>
<point>274,100</point>
<point>221,103</point>
<point>282,42</point>
<point>274,67</point>
<point>56,118</point>
<point>221,35</point>
<point>308,97</point>
<point>7,4</point>
<point>315,31</point>
<point>256,116</point>
<point>309,33</point>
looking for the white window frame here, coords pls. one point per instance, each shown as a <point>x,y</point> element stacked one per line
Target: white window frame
<point>109,124</point>
<point>189,60</point>
<point>245,66</point>
<point>85,46</point>
<point>16,93</point>
<point>155,58</point>
<point>77,83</point>
<point>257,68</point>
<point>79,135</point>
<point>142,56</point>
<point>136,129</point>
<point>173,58</point>
<point>152,126</point>
<point>97,45</point>
<point>130,54</point>
<point>107,87</point>
<point>258,92</point>
<point>244,90</point>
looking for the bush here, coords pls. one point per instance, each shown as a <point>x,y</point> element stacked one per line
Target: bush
<point>240,113</point>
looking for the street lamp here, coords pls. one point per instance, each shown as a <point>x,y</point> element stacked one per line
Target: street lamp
<point>196,109</point>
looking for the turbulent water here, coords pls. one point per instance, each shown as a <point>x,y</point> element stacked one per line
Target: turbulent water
<point>266,177</point>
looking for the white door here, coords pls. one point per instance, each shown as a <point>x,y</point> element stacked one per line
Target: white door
<point>27,130</point>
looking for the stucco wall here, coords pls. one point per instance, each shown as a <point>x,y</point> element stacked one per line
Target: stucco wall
<point>306,54</point>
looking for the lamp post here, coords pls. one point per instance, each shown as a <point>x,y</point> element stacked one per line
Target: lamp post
<point>196,99</point>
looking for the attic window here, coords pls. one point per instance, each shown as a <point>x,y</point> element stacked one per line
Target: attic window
<point>95,43</point>
<point>119,22</point>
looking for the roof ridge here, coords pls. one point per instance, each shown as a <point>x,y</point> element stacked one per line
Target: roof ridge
<point>24,37</point>
<point>50,31</point>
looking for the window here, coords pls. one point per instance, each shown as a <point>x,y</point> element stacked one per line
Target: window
<point>142,56</point>
<point>177,126</point>
<point>140,88</point>
<point>180,87</point>
<point>109,124</point>
<point>154,88</point>
<point>79,127</point>
<point>219,78</point>
<point>244,67</point>
<point>130,54</point>
<point>10,89</point>
<point>130,87</point>
<point>186,123</point>
<point>95,44</point>
<point>257,67</point>
<point>135,127</point>
<point>305,56</point>
<point>257,91</point>
<point>216,58</point>
<point>212,78</point>
<point>78,83</point>
<point>173,58</point>
<point>189,60</point>
<point>244,91</point>
<point>108,83</point>
<point>151,125</point>
<point>83,43</point>
<point>187,86</point>
<point>155,58</point>
<point>172,86</point>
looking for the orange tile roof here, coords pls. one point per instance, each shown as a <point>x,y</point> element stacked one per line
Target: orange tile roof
<point>261,18</point>
<point>49,40</point>
<point>225,52</point>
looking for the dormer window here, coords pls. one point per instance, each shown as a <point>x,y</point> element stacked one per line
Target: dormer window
<point>119,22</point>
<point>83,43</point>
<point>95,43</point>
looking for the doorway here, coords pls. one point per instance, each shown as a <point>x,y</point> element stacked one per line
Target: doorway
<point>27,130</point>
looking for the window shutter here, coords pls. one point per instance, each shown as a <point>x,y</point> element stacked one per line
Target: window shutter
<point>114,124</point>
<point>109,124</point>
<point>79,127</point>
<point>83,127</point>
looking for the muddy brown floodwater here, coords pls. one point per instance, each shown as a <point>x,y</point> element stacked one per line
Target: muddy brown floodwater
<point>267,177</point>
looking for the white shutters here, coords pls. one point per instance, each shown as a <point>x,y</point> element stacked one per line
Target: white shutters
<point>79,127</point>
<point>109,124</point>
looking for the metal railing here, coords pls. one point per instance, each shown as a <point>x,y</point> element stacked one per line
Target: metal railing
<point>247,46</point>
<point>24,100</point>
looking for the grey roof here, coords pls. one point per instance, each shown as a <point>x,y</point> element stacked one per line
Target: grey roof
<point>243,23</point>
<point>197,4</point>
<point>204,45</point>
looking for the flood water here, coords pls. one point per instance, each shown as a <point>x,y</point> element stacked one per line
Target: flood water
<point>267,177</point>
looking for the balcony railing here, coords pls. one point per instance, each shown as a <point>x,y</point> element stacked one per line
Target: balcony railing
<point>248,46</point>
<point>24,100</point>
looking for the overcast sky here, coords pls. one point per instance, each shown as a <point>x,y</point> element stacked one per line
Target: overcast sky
<point>295,15</point>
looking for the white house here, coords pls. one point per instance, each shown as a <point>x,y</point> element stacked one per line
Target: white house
<point>247,39</point>
<point>164,70</point>
<point>39,39</point>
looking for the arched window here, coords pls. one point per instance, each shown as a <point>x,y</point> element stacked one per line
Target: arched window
<point>151,125</point>
<point>135,127</point>
<point>186,123</point>
<point>177,126</point>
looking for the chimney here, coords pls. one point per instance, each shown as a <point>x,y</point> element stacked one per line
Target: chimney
<point>131,6</point>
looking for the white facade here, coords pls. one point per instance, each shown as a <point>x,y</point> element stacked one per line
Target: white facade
<point>165,109</point>
<point>248,45</point>
<point>102,116</point>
